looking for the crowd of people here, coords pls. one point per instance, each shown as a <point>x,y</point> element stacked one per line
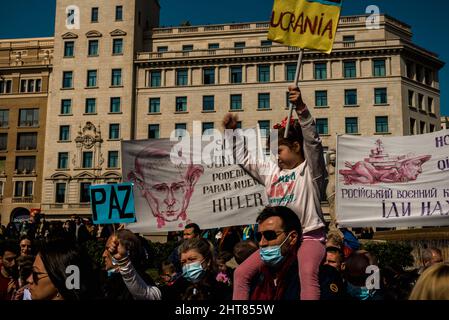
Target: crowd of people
<point>287,254</point>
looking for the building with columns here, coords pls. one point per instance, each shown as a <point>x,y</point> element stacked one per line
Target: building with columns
<point>111,74</point>
<point>25,68</point>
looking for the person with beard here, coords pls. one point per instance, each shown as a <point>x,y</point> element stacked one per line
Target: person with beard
<point>9,251</point>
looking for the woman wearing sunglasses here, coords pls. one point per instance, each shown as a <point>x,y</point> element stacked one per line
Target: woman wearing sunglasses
<point>51,274</point>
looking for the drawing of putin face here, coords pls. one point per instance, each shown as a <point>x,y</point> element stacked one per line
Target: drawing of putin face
<point>166,187</point>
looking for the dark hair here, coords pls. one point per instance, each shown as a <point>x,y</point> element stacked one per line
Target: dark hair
<point>224,256</point>
<point>294,135</point>
<point>290,220</point>
<point>194,226</point>
<point>9,245</point>
<point>243,249</point>
<point>25,266</point>
<point>167,265</point>
<point>56,257</point>
<point>202,246</point>
<point>356,265</point>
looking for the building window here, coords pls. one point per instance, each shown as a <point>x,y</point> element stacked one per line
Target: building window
<point>420,101</point>
<point>87,159</point>
<point>114,131</point>
<point>4,118</point>
<point>116,77</point>
<point>69,47</point>
<point>155,78</point>
<point>28,117</point>
<point>66,106</point>
<point>2,164</point>
<point>351,97</point>
<point>412,126</point>
<point>263,73</point>
<point>208,103</point>
<point>411,95</point>
<point>115,105</point>
<point>409,70</point>
<point>94,15</point>
<point>381,124</point>
<point>428,77</point>
<point>290,71</point>
<point>162,49</point>
<point>60,193</point>
<point>432,128</point>
<point>180,129</point>
<point>423,127</point>
<point>27,164</point>
<point>349,69</point>
<point>91,78</point>
<point>181,104</point>
<point>29,188</point>
<point>155,105</point>
<point>63,160</point>
<point>322,126</point>
<point>67,79</point>
<point>30,85</point>
<point>209,76</point>
<point>117,46</point>
<point>27,141</point>
<point>91,106</point>
<point>118,13</point>
<point>207,127</point>
<point>85,192</point>
<point>419,73</point>
<point>187,47</point>
<point>239,46</point>
<point>5,86</point>
<point>320,70</point>
<point>153,131</point>
<point>213,46</point>
<point>236,74</point>
<point>379,68</point>
<point>321,98</point>
<point>348,40</point>
<point>236,102</point>
<point>64,133</point>
<point>181,77</point>
<point>3,141</point>
<point>352,125</point>
<point>18,189</point>
<point>93,48</point>
<point>263,101</point>
<point>264,127</point>
<point>380,96</point>
<point>113,159</point>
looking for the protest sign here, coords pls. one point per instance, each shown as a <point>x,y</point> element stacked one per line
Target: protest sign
<point>307,24</point>
<point>393,181</point>
<point>112,203</point>
<point>169,195</point>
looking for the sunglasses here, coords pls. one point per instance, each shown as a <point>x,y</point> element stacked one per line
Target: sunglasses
<point>268,235</point>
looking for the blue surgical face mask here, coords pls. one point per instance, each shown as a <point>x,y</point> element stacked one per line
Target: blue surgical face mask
<point>360,293</point>
<point>272,255</point>
<point>193,271</point>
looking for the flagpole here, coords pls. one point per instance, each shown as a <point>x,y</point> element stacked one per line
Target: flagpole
<point>296,83</point>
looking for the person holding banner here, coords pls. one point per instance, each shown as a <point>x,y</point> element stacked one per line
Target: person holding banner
<point>296,181</point>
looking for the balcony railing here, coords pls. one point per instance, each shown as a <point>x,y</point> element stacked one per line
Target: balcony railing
<point>33,123</point>
<point>22,199</point>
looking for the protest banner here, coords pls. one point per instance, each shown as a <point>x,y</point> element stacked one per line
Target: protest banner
<point>112,203</point>
<point>393,181</point>
<point>170,194</point>
<point>307,24</point>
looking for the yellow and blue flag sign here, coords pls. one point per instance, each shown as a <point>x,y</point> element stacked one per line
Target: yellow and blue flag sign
<point>308,24</point>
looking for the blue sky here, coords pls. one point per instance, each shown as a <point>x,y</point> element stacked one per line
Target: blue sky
<point>429,21</point>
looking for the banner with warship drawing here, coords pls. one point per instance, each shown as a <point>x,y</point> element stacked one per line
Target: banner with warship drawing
<point>173,187</point>
<point>393,181</point>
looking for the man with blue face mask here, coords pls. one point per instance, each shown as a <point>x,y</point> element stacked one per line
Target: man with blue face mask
<point>279,238</point>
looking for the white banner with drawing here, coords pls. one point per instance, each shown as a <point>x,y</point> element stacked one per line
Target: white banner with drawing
<point>169,195</point>
<point>393,181</point>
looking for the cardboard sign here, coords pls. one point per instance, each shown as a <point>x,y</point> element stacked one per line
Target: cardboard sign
<point>307,24</point>
<point>112,203</point>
